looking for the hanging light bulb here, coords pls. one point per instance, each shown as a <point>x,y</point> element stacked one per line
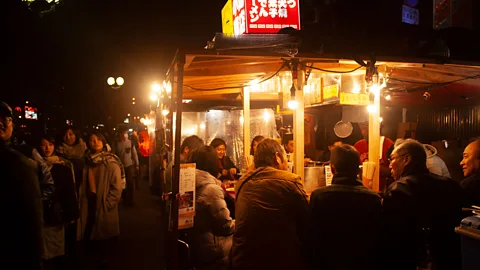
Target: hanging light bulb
<point>292,103</point>
<point>165,112</point>
<point>156,88</point>
<point>153,96</point>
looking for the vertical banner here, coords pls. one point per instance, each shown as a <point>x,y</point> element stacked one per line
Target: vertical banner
<point>186,204</point>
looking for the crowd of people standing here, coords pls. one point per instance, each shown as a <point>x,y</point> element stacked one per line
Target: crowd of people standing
<point>63,196</point>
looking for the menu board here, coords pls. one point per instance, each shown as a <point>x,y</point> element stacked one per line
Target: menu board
<point>186,203</point>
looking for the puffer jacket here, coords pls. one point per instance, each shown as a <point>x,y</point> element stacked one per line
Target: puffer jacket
<point>211,237</point>
<point>434,163</point>
<point>271,221</point>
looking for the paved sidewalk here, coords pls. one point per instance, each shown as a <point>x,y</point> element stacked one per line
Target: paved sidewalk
<point>140,244</point>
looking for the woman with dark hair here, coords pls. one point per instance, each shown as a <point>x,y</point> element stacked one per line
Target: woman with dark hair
<point>73,145</point>
<point>211,237</point>
<point>61,208</point>
<point>226,169</point>
<point>99,195</point>
<point>253,148</point>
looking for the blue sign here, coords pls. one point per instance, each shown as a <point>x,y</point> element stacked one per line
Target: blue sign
<point>410,15</point>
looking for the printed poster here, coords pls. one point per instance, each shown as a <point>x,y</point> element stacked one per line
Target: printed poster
<point>186,203</point>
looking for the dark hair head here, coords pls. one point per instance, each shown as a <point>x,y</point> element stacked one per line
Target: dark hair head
<point>257,139</point>
<point>100,136</point>
<point>332,139</point>
<point>286,138</point>
<point>266,153</point>
<point>78,136</point>
<point>205,159</point>
<point>345,159</point>
<point>122,130</point>
<point>46,137</point>
<point>192,142</point>
<point>217,142</point>
<point>417,154</point>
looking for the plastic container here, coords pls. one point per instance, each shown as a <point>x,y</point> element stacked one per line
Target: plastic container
<point>469,231</point>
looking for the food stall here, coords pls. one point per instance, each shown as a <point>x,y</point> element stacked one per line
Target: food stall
<point>292,82</point>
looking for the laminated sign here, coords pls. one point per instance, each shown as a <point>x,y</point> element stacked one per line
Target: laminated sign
<point>186,204</point>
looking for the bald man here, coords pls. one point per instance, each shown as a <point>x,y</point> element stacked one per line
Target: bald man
<point>471,170</point>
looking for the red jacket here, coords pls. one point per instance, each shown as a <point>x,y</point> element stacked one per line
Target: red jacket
<point>362,147</point>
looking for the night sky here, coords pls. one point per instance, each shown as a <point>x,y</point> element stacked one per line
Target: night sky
<point>63,57</point>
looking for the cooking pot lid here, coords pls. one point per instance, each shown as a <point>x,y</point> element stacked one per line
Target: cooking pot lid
<point>343,129</point>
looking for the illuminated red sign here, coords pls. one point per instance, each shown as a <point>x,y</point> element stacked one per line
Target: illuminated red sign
<point>265,16</point>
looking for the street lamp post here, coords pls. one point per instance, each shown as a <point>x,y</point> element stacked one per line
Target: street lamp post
<point>115,83</point>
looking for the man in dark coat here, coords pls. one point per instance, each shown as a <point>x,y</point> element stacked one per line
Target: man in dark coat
<point>471,170</point>
<point>421,211</point>
<point>345,217</point>
<point>22,239</point>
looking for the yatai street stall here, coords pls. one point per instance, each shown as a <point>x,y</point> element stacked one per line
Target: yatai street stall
<point>293,83</point>
<point>266,71</point>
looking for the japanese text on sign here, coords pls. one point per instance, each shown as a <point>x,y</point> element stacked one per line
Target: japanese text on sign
<point>330,92</point>
<point>265,16</point>
<point>354,99</point>
<point>186,204</point>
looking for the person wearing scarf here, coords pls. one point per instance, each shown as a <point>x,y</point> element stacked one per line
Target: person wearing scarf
<point>99,195</point>
<point>62,208</point>
<point>73,146</point>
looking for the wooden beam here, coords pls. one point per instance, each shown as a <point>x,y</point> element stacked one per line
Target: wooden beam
<point>246,124</point>
<point>239,69</point>
<point>229,62</point>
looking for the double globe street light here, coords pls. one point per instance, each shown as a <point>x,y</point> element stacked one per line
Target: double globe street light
<point>115,83</point>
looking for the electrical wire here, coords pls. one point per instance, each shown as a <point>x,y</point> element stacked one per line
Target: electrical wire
<point>238,86</point>
<point>434,84</point>
<point>331,71</point>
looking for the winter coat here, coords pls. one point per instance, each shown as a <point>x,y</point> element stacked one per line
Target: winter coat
<point>211,237</point>
<point>345,225</point>
<point>422,208</point>
<point>434,163</point>
<point>271,221</point>
<point>226,163</point>
<point>22,238</point>
<point>62,208</point>
<point>109,192</point>
<point>471,189</point>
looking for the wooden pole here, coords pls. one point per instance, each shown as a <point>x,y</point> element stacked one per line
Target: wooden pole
<point>299,127</point>
<point>374,138</point>
<point>246,123</point>
<point>176,168</point>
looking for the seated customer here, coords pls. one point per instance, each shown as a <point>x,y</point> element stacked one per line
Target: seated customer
<point>211,237</point>
<point>344,217</point>
<point>253,148</point>
<point>271,215</point>
<point>226,168</point>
